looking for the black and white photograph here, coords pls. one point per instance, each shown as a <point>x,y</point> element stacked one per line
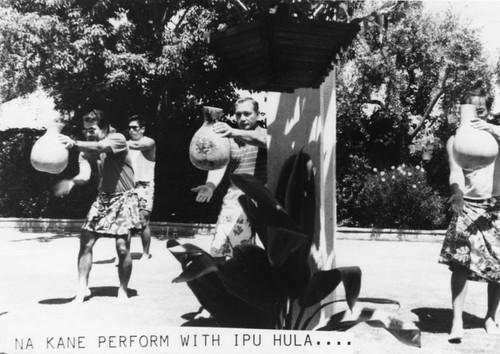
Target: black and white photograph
<point>238,176</point>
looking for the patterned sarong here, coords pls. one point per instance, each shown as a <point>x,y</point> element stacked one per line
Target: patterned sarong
<point>473,240</point>
<point>145,192</point>
<point>113,214</point>
<point>232,228</point>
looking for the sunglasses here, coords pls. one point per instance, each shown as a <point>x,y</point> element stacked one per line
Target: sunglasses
<point>244,113</point>
<point>133,127</point>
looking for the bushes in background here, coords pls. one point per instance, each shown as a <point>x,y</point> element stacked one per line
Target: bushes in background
<point>400,197</point>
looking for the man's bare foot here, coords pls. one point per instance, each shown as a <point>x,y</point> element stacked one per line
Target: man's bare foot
<point>145,257</point>
<point>122,295</point>
<point>490,326</point>
<point>457,332</point>
<point>81,296</point>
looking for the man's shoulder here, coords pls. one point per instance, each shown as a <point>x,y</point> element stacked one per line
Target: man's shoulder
<point>116,136</point>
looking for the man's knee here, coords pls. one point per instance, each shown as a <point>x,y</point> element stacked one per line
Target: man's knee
<point>87,240</point>
<point>144,218</point>
<point>122,247</point>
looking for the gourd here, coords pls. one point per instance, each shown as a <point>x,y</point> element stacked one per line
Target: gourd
<point>48,154</point>
<point>209,150</point>
<point>473,148</point>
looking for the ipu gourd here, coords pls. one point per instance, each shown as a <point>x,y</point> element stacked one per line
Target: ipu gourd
<point>48,154</point>
<point>209,150</point>
<point>473,148</point>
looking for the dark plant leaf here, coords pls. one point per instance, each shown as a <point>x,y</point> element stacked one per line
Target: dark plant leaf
<point>284,178</point>
<point>294,273</point>
<point>254,216</point>
<point>249,277</point>
<point>184,253</point>
<point>203,278</point>
<point>351,277</point>
<point>201,265</point>
<point>376,300</point>
<point>322,283</point>
<point>272,211</point>
<point>300,197</point>
<point>227,310</point>
<point>281,243</point>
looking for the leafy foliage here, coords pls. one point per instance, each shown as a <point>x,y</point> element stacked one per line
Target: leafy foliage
<point>125,57</point>
<point>400,197</point>
<point>397,86</point>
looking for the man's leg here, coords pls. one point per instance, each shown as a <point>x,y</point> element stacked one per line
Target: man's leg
<point>124,264</point>
<point>87,241</point>
<point>493,298</point>
<point>458,292</point>
<point>145,235</point>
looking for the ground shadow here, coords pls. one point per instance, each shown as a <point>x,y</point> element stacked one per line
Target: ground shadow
<point>136,255</point>
<point>4,313</point>
<point>48,238</point>
<point>101,291</point>
<point>438,320</point>
<point>109,291</point>
<point>105,261</point>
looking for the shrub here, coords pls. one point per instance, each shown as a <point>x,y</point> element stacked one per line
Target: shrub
<point>400,197</point>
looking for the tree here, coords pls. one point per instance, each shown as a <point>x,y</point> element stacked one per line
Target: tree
<point>146,57</point>
<point>398,85</point>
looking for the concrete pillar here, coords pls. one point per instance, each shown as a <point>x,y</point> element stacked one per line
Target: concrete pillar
<point>307,118</point>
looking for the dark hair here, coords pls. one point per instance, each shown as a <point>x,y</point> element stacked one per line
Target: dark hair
<point>248,99</point>
<point>468,95</point>
<point>97,116</point>
<point>140,119</point>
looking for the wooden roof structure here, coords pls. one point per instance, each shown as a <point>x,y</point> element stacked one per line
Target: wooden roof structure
<point>276,54</point>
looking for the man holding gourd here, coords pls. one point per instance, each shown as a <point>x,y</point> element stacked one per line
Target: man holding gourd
<point>472,244</point>
<point>115,211</point>
<point>248,155</point>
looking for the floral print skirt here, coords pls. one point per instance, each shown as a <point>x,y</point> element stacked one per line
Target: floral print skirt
<point>473,240</point>
<point>145,193</point>
<point>113,214</point>
<point>232,228</point>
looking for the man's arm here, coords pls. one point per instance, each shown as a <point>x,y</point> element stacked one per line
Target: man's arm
<point>257,137</point>
<point>456,180</point>
<point>206,191</point>
<point>146,145</point>
<point>143,144</point>
<point>93,147</point>
<point>64,186</point>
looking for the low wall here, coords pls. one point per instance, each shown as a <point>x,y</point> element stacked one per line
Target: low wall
<point>71,225</point>
<point>355,233</point>
<point>185,230</point>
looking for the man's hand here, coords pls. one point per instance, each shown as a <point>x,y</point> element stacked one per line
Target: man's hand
<point>66,141</point>
<point>457,203</point>
<point>63,187</point>
<point>205,193</point>
<point>480,124</point>
<point>223,129</point>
